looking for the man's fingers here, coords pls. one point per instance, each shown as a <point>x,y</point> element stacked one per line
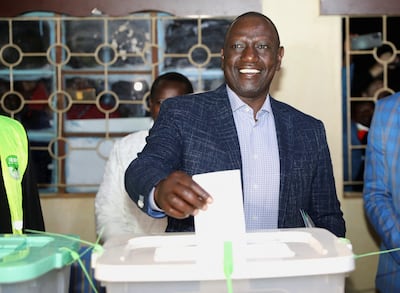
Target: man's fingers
<point>179,209</point>
<point>194,196</point>
<point>202,193</point>
<point>176,206</point>
<point>179,196</point>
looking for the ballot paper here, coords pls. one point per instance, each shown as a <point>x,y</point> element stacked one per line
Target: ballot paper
<point>224,218</point>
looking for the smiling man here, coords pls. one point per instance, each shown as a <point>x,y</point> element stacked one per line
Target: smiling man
<point>282,153</point>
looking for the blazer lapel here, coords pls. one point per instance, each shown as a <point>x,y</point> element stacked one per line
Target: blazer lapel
<point>225,127</point>
<point>283,126</point>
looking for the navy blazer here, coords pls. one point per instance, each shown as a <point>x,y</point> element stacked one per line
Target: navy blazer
<point>197,134</point>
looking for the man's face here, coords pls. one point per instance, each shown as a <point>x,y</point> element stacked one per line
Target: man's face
<point>250,57</point>
<point>166,89</point>
<point>363,112</point>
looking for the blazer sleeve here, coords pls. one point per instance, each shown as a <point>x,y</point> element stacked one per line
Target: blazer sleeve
<point>158,159</point>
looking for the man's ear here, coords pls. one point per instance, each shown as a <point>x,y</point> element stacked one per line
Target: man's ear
<point>281,52</point>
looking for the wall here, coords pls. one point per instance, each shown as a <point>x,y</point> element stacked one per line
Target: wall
<point>70,215</point>
<point>309,80</point>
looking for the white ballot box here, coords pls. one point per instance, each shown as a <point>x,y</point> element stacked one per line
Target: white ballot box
<point>285,260</point>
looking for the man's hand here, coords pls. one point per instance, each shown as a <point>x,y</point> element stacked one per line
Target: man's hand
<point>179,196</point>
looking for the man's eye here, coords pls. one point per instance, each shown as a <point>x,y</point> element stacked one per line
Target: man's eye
<point>238,46</point>
<point>262,46</point>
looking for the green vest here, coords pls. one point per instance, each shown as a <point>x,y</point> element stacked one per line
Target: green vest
<point>14,159</point>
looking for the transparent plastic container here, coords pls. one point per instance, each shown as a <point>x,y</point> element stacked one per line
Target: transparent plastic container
<point>35,263</point>
<point>311,260</point>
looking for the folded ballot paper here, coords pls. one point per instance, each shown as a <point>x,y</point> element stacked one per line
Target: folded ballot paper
<point>224,218</point>
<point>223,221</point>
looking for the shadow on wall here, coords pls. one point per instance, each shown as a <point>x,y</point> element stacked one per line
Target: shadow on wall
<point>276,83</point>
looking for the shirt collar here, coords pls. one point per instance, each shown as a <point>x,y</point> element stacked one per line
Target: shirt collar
<point>237,103</point>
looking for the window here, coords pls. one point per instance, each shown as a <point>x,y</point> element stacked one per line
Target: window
<point>371,71</point>
<point>78,84</point>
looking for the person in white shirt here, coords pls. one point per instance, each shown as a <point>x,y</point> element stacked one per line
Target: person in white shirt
<point>116,213</point>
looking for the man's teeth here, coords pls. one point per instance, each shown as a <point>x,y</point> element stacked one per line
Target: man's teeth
<point>251,71</point>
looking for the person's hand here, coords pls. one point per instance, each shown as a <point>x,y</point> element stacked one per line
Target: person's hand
<point>179,196</point>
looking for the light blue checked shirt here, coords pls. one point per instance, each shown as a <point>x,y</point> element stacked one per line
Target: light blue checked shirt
<point>382,188</point>
<point>260,163</point>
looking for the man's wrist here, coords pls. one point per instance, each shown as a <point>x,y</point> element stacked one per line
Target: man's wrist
<point>152,202</point>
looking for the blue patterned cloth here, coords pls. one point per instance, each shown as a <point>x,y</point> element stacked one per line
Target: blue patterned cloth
<point>382,188</point>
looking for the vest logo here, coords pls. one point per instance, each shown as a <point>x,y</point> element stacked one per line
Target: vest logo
<point>12,164</point>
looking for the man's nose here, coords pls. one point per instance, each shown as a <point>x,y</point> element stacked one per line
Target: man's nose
<point>249,53</point>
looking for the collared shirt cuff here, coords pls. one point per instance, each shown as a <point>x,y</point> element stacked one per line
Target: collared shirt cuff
<point>152,202</point>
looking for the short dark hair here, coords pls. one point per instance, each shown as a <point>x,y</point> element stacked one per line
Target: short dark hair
<point>257,14</point>
<point>171,76</point>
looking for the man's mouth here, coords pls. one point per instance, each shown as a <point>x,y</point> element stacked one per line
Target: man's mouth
<point>249,71</point>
